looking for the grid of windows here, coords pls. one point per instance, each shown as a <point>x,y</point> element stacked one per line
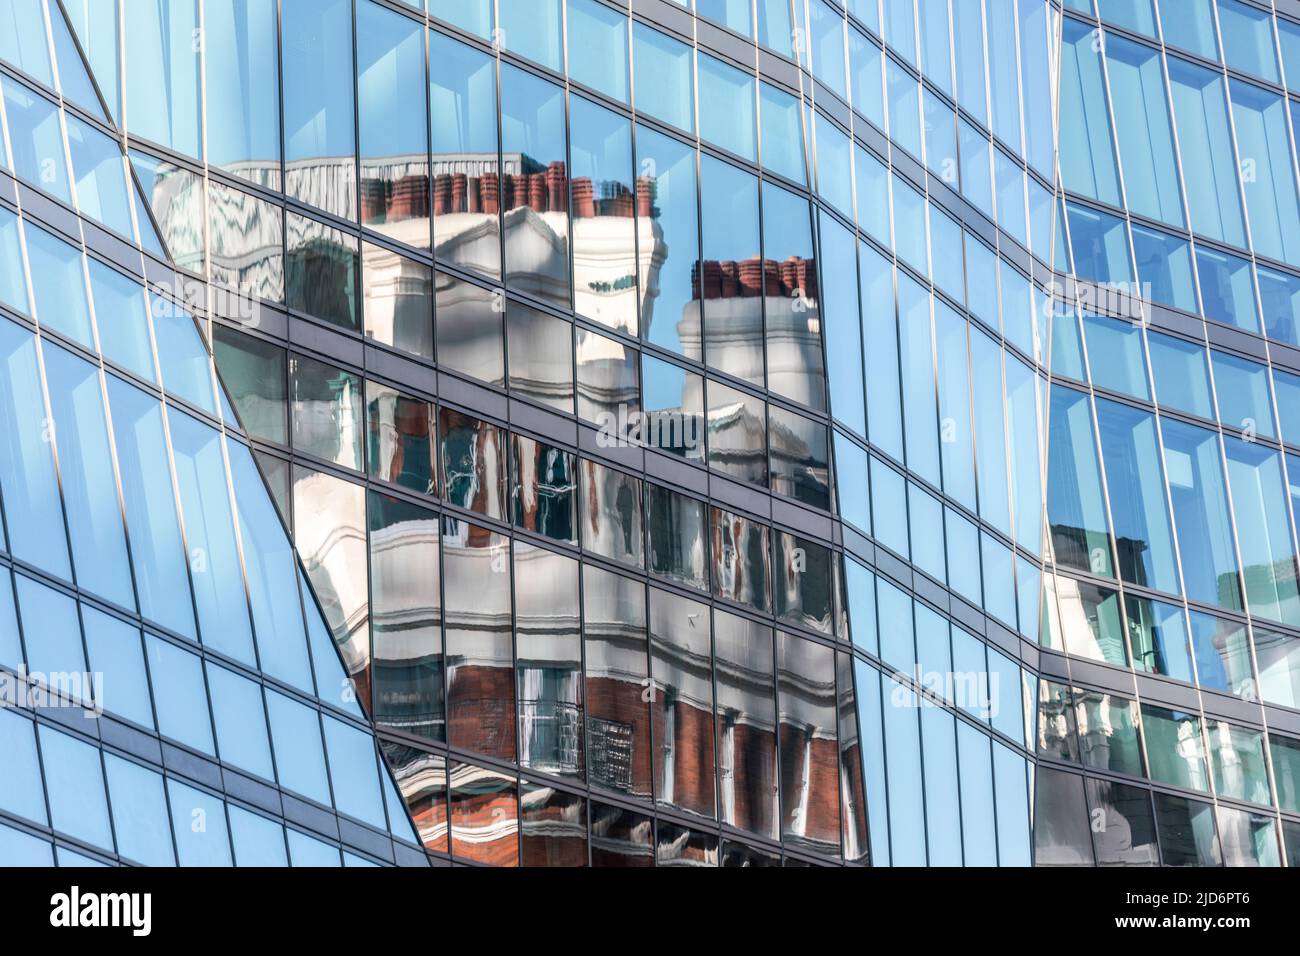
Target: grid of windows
<point>687,375</point>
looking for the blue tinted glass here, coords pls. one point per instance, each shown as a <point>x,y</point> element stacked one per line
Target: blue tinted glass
<point>889,507</point>
<point>21,849</point>
<point>241,722</point>
<point>990,438</point>
<point>23,43</point>
<point>978,814</point>
<point>1288,404</point>
<point>1248,39</point>
<point>307,851</point>
<point>157,552</point>
<point>1066,347</point>
<point>774,26</point>
<point>1159,635</point>
<point>1012,807</point>
<point>1288,34</point>
<point>139,813</point>
<point>1075,500</point>
<point>873,195</point>
<point>939,124</point>
<point>900,28</point>
<point>533,28</point>
<point>100,176</point>
<point>1117,357</point>
<point>942,803</point>
<point>999,578</point>
<point>1222,652</point>
<point>59,285</point>
<point>13,279</point>
<point>270,565</point>
<point>916,355</point>
<point>897,641</point>
<point>20,787</point>
<point>726,106</point>
<point>925,515</point>
<point>968,37</point>
<point>116,652</point>
<point>782,132</point>
<point>11,650</point>
<point>122,317</point>
<point>1004,83</point>
<point>1182,374</point>
<point>74,783</point>
<point>839,307</point>
<point>163,84</point>
<point>1227,289</point>
<point>199,824</point>
<point>352,766</point>
<point>1142,122</point>
<point>182,355</point>
<point>1165,268</point>
<point>904,107</point>
<point>1010,181</point>
<point>27,478</point>
<point>295,734</point>
<point>865,75</point>
<point>1242,388</point>
<point>1025,429</point>
<point>663,77</point>
<point>86,470</point>
<point>1260,512</point>
<point>826,26</point>
<point>1086,150</point>
<point>1201,514</point>
<point>1205,142</point>
<point>834,166</point>
<point>1280,295</point>
<point>180,695</point>
<point>936,54</point>
<point>210,536</point>
<point>870,720</point>
<point>473,16</point>
<point>36,139</point>
<point>1190,25</point>
<point>963,542</point>
<point>598,39</point>
<point>1100,244</point>
<point>909,225</point>
<point>1130,450</point>
<point>51,629</point>
<point>1268,174</point>
<point>243,85</point>
<point>976,171</point>
<point>903,759</point>
<point>319,118</point>
<point>860,589</point>
<point>258,841</point>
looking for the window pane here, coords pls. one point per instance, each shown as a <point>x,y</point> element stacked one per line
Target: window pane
<point>484,816</point>
<point>480,665</point>
<point>398,301</point>
<point>402,438</point>
<point>394,164</point>
<point>466,169</point>
<point>319,116</point>
<point>470,334</point>
<point>327,412</point>
<point>536,196</point>
<point>606,265</point>
<point>540,357</point>
<point>545,492</point>
<point>406,606</point>
<point>1201,514</point>
<point>662,78</point>
<point>682,703</point>
<point>549,667</point>
<point>1187,836</point>
<point>1204,138</point>
<point>243,85</point>
<point>677,544</point>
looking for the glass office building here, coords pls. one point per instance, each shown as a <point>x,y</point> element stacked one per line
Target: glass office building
<point>684,433</point>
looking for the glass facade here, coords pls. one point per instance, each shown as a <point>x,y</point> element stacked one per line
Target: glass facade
<point>689,433</point>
